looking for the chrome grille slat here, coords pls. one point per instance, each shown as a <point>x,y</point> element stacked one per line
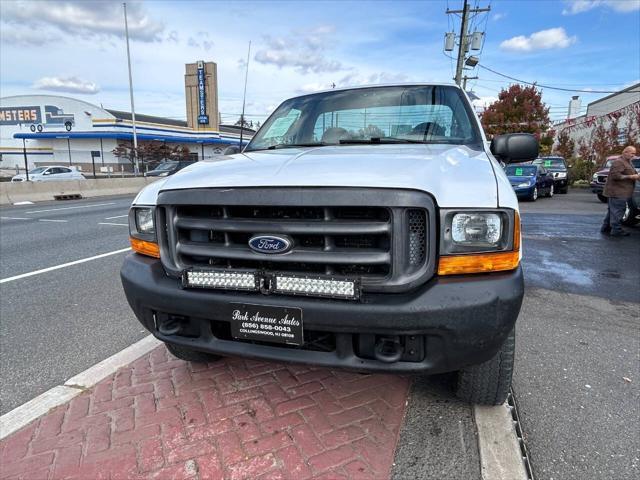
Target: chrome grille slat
<point>319,227</point>
<point>333,257</point>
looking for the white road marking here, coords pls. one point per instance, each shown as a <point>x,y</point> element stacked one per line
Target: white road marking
<point>109,223</point>
<point>51,220</point>
<point>117,216</point>
<point>26,413</point>
<point>70,208</point>
<point>64,265</point>
<point>15,218</point>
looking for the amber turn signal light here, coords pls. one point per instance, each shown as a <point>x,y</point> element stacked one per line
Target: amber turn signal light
<point>143,247</point>
<point>478,263</point>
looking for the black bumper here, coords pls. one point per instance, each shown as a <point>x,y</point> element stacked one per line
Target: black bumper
<point>457,321</point>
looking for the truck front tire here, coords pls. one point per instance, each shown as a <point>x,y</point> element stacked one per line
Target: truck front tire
<point>489,382</point>
<point>189,355</point>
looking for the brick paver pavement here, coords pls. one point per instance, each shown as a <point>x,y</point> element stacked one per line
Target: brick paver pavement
<point>162,418</point>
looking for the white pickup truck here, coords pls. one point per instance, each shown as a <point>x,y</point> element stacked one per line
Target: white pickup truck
<point>367,228</point>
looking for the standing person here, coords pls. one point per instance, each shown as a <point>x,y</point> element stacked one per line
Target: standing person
<point>619,188</point>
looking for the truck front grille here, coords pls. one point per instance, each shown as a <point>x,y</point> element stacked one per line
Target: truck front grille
<point>383,245</point>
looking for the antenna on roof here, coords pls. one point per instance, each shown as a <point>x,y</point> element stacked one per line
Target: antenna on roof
<point>244,95</point>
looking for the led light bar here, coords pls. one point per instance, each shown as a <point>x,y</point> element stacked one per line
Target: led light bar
<point>220,279</point>
<point>315,287</point>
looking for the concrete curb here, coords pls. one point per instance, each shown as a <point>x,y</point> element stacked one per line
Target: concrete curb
<point>21,416</point>
<point>14,192</point>
<point>500,454</point>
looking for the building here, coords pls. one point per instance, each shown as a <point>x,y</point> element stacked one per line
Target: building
<point>40,130</point>
<point>622,106</point>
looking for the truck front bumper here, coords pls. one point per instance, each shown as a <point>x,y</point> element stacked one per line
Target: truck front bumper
<point>447,324</point>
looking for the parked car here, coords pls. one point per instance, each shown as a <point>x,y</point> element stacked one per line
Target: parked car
<point>169,167</point>
<point>632,212</point>
<point>48,174</point>
<point>558,169</point>
<point>599,178</point>
<point>530,181</point>
<point>392,248</point>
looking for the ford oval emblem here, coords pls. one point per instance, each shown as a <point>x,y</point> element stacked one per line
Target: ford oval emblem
<point>270,243</point>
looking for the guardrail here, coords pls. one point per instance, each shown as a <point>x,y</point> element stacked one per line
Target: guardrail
<point>14,192</point>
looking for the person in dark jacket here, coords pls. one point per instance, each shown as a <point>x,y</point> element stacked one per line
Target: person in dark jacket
<point>618,189</point>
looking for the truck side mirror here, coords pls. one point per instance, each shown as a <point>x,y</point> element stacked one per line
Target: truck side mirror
<point>231,150</point>
<point>515,147</point>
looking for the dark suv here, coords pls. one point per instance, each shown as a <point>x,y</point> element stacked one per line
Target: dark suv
<point>558,168</point>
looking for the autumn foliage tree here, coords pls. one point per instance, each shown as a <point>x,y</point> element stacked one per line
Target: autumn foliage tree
<point>566,145</point>
<point>518,109</point>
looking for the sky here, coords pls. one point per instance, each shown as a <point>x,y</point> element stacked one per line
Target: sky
<point>77,48</point>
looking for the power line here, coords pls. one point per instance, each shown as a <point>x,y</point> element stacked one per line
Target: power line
<point>550,86</point>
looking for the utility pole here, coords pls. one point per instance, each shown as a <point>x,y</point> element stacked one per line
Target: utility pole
<point>133,110</point>
<point>464,36</point>
<point>464,81</point>
<point>244,95</point>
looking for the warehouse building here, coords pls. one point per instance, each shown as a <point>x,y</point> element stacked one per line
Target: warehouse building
<point>622,107</point>
<point>41,130</point>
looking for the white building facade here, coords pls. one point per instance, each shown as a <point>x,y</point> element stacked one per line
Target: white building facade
<point>622,106</point>
<point>40,130</point>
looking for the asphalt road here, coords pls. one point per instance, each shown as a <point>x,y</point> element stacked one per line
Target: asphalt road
<point>577,381</point>
<point>57,324</point>
<point>578,334</point>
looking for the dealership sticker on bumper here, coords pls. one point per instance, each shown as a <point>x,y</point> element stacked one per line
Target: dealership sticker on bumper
<point>266,323</point>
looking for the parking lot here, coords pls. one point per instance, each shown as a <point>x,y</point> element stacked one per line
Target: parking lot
<point>576,382</point>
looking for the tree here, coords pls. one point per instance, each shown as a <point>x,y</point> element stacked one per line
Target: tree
<point>518,109</point>
<point>180,152</point>
<point>546,142</point>
<point>584,149</point>
<point>600,143</point>
<point>566,145</point>
<point>242,122</point>
<point>632,136</point>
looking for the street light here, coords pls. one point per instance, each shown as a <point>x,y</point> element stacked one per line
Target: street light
<point>472,61</point>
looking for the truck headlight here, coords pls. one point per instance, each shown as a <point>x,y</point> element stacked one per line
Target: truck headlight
<point>142,231</point>
<point>144,221</point>
<point>595,177</point>
<point>479,241</point>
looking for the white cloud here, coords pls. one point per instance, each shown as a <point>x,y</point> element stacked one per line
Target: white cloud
<point>498,16</point>
<point>542,40</point>
<point>26,37</point>
<point>204,42</point>
<point>85,19</point>
<point>67,85</point>
<point>302,51</point>
<point>579,6</point>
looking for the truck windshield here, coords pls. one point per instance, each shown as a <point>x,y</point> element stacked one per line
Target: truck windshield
<point>396,114</point>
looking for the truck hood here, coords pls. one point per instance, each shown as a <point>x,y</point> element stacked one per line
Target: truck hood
<point>457,176</point>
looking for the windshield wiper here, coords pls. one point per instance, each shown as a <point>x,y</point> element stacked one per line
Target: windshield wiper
<point>294,145</point>
<point>380,140</point>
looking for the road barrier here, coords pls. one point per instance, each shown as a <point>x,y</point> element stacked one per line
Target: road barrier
<point>14,192</point>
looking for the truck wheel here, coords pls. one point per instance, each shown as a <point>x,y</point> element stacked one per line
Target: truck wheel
<point>602,198</point>
<point>489,382</point>
<point>189,355</point>
<point>534,195</point>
